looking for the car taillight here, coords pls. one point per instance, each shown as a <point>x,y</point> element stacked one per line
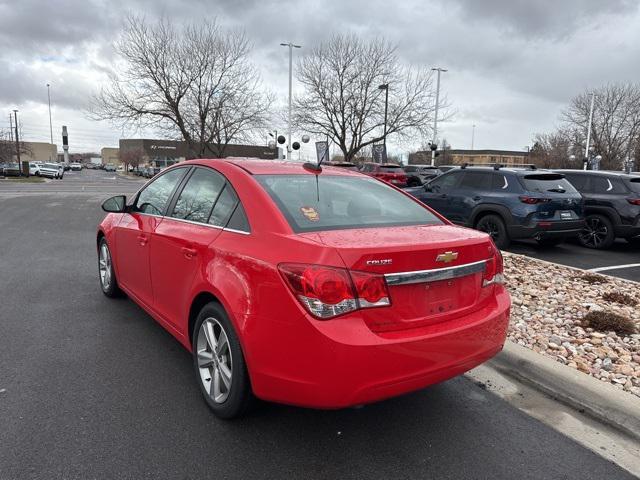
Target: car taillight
<point>634,201</point>
<point>533,200</point>
<point>494,269</point>
<point>329,291</point>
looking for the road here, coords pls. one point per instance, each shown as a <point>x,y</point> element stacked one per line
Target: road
<point>94,388</point>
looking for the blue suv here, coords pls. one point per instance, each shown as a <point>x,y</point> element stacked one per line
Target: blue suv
<point>507,203</point>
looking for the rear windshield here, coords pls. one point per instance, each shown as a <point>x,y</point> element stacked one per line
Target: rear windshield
<point>548,182</point>
<point>314,203</point>
<point>634,183</point>
<point>392,169</point>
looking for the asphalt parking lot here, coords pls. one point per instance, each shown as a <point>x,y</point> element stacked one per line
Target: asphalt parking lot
<point>94,388</point>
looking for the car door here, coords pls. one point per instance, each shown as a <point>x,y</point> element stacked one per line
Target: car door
<point>181,243</point>
<point>436,193</point>
<point>134,233</point>
<point>474,189</point>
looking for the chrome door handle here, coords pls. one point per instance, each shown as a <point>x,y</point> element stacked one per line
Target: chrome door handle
<point>189,252</point>
<point>143,240</point>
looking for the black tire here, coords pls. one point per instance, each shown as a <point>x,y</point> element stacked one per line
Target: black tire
<point>239,396</point>
<point>110,288</point>
<point>598,233</point>
<point>551,242</point>
<point>494,226</point>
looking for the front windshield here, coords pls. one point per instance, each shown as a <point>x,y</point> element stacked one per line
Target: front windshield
<point>324,202</point>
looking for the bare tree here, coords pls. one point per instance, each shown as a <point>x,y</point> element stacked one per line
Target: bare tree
<point>195,83</point>
<point>616,122</point>
<point>8,147</point>
<point>554,150</point>
<point>133,158</point>
<point>342,99</point>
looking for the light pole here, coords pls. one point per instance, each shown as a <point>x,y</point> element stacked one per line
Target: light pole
<point>586,150</point>
<point>435,118</point>
<point>50,124</point>
<point>385,87</point>
<point>15,113</point>
<point>291,47</point>
<point>473,135</point>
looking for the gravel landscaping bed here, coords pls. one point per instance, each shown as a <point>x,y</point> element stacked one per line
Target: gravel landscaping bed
<point>550,303</point>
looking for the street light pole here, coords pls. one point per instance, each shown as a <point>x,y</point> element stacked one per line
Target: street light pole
<point>291,47</point>
<point>435,118</point>
<point>385,87</point>
<point>15,113</point>
<point>586,150</point>
<point>50,124</point>
<point>473,135</point>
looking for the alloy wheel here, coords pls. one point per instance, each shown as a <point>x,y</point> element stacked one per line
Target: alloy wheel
<point>594,233</point>
<point>104,265</point>
<point>214,360</point>
<point>491,228</point>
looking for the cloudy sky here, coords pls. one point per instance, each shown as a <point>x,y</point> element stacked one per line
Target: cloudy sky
<point>513,64</point>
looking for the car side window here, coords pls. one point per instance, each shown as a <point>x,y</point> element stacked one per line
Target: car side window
<point>444,182</point>
<point>605,185</point>
<point>499,181</point>
<point>198,196</point>
<point>238,220</point>
<point>476,180</point>
<point>153,199</point>
<point>578,181</point>
<point>224,207</point>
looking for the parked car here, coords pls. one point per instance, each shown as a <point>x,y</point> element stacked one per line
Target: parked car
<point>389,172</point>
<point>419,174</point>
<point>507,203</point>
<point>75,166</point>
<point>346,165</point>
<point>11,169</point>
<point>52,170</point>
<point>612,206</point>
<point>446,168</point>
<point>109,167</point>
<point>321,289</point>
<point>34,169</point>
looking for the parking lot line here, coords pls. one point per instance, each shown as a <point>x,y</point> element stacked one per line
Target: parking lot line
<point>614,267</point>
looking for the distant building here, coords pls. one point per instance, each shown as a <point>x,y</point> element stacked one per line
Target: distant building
<point>162,153</point>
<point>110,155</point>
<point>478,157</point>
<point>38,152</point>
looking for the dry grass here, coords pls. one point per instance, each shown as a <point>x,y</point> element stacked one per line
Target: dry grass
<point>592,278</point>
<point>621,298</point>
<point>608,321</point>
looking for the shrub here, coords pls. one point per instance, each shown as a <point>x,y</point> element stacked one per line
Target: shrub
<point>592,278</point>
<point>608,321</point>
<point>621,298</point>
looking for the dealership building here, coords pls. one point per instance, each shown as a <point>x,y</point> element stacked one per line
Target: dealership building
<point>162,153</point>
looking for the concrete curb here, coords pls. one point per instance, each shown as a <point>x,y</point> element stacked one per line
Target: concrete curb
<point>600,400</point>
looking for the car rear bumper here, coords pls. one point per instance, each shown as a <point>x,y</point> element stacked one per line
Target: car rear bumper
<point>341,362</point>
<point>542,229</point>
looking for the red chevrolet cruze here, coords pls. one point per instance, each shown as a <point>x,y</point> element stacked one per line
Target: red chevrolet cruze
<point>315,288</point>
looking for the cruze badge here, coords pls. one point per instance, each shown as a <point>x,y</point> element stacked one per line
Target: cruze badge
<point>447,257</point>
<point>385,261</point>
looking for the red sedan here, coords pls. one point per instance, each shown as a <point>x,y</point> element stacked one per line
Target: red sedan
<point>389,172</point>
<point>320,289</point>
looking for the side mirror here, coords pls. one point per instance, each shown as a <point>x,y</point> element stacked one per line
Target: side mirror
<point>117,204</point>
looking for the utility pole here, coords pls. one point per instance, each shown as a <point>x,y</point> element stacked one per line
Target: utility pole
<point>385,87</point>
<point>50,124</point>
<point>10,128</point>
<point>585,163</point>
<point>15,113</point>
<point>473,135</point>
<point>291,47</point>
<point>435,118</point>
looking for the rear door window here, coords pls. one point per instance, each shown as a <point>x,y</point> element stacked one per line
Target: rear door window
<point>606,185</point>
<point>445,182</point>
<point>224,207</point>
<point>198,196</point>
<point>580,182</point>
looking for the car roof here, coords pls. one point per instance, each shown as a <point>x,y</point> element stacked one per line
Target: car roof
<point>515,170</point>
<point>597,172</point>
<point>255,166</point>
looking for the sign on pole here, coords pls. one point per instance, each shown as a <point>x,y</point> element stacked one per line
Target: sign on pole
<point>322,151</point>
<point>377,151</point>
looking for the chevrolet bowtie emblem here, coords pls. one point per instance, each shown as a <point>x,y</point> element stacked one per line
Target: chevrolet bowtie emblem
<point>447,257</point>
